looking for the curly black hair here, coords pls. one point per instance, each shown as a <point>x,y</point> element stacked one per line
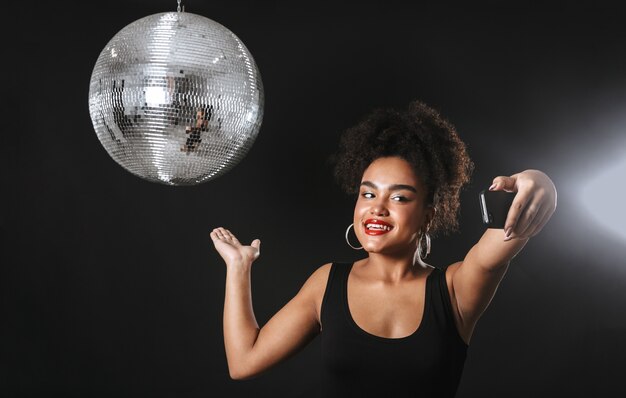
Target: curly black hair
<point>422,137</point>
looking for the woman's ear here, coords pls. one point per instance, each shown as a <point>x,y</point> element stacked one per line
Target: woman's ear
<point>431,212</point>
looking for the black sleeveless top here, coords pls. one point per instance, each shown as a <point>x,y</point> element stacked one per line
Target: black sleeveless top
<point>427,363</point>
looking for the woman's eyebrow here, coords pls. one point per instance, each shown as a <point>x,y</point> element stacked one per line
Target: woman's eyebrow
<point>393,187</point>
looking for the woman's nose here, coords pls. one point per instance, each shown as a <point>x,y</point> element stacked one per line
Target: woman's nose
<point>379,210</point>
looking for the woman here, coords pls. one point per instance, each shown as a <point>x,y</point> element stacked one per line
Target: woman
<point>389,323</point>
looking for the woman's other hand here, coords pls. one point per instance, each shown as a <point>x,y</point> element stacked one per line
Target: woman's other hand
<point>232,251</point>
<point>533,205</point>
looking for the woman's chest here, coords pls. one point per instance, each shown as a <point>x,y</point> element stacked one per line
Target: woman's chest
<point>386,311</point>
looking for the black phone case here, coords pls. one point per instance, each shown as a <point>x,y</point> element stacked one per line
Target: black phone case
<point>494,207</point>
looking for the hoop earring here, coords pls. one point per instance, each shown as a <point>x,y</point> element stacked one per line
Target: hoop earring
<point>348,241</point>
<point>427,245</point>
<point>417,257</point>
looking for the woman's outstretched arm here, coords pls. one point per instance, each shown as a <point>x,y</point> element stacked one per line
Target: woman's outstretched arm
<point>476,278</point>
<point>251,350</point>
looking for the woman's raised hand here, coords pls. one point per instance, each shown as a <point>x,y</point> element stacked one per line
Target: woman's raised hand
<point>533,205</point>
<point>232,251</point>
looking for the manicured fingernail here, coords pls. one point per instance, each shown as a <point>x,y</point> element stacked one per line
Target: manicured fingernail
<point>507,234</point>
<point>491,188</point>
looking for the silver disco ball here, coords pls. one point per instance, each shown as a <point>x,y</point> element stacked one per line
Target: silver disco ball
<point>176,98</point>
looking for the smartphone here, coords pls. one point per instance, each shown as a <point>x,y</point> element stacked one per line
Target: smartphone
<point>494,207</point>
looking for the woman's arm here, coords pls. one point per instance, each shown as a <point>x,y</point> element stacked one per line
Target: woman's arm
<point>476,278</point>
<point>251,350</point>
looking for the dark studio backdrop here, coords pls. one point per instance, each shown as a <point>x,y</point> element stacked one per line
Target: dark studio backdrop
<point>110,285</point>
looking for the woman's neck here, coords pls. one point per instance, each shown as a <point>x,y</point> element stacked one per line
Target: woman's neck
<point>390,269</point>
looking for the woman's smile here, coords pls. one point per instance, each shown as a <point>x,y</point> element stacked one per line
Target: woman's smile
<point>376,227</point>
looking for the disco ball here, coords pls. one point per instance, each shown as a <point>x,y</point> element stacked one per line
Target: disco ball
<point>176,98</point>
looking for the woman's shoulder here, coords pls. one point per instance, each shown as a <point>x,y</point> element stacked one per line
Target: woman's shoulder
<point>319,277</point>
<point>315,286</point>
<point>317,280</point>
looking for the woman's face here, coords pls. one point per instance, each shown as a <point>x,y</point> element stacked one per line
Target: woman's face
<point>390,209</point>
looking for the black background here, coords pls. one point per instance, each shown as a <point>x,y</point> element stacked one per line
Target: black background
<point>110,285</point>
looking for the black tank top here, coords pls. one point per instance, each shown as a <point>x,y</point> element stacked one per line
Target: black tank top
<point>427,363</point>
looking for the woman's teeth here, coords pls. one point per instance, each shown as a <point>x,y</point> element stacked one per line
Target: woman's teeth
<point>378,227</point>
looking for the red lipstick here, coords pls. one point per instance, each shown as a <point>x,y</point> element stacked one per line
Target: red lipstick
<point>376,227</point>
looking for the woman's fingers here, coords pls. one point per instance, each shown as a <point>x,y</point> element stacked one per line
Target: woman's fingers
<point>504,183</point>
<point>230,236</point>
<point>518,206</point>
<point>530,202</point>
<point>528,220</point>
<point>225,235</point>
<point>222,235</point>
<point>540,220</point>
<point>214,234</point>
<point>231,250</point>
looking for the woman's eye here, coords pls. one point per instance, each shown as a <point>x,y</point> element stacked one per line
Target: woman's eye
<point>367,195</point>
<point>399,198</point>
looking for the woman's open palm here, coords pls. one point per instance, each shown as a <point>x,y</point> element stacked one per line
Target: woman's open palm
<point>231,250</point>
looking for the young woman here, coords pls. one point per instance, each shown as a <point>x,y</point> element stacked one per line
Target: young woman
<point>389,323</point>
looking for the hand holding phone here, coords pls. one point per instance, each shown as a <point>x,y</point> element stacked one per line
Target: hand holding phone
<point>494,207</point>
